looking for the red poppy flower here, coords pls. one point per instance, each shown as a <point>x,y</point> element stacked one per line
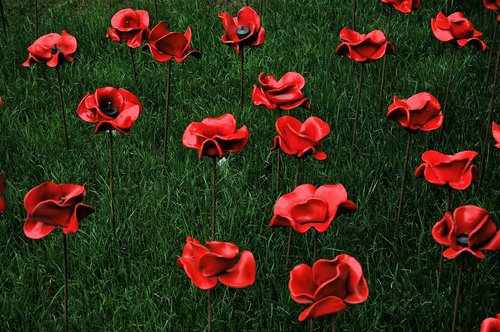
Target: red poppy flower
<point>301,139</point>
<point>328,286</point>
<point>165,45</point>
<point>492,4</point>
<point>285,94</point>
<point>364,47</point>
<point>456,29</point>
<point>50,205</point>
<point>52,49</point>
<point>404,6</point>
<point>307,207</point>
<point>469,229</point>
<point>218,261</point>
<point>111,108</point>
<point>491,324</point>
<point>215,137</point>
<point>455,170</point>
<point>495,129</point>
<point>419,112</point>
<point>243,30</point>
<point>130,26</point>
<point>2,187</point>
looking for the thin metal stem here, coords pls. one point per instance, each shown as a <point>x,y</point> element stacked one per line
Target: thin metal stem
<point>209,311</point>
<point>165,124</point>
<point>65,271</point>
<point>448,86</point>
<point>61,99</point>
<point>278,162</point>
<point>214,189</point>
<point>334,322</point>
<point>457,295</point>
<point>492,51</point>
<point>242,62</point>
<point>36,18</point>
<point>4,26</point>
<point>315,245</point>
<point>384,65</point>
<point>132,60</point>
<point>353,14</point>
<point>447,207</point>
<point>297,175</point>
<point>403,178</point>
<point>111,180</point>
<point>156,10</point>
<point>356,111</point>
<point>486,136</point>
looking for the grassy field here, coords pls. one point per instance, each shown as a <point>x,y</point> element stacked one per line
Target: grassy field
<point>126,278</point>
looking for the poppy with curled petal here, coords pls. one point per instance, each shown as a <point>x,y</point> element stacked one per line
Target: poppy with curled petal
<point>2,201</point>
<point>165,45</point>
<point>495,130</point>
<point>301,139</point>
<point>285,94</point>
<point>215,137</point>
<point>404,6</point>
<point>492,5</point>
<point>456,29</point>
<point>307,206</point>
<point>52,49</point>
<point>110,108</point>
<point>50,205</point>
<point>243,30</point>
<point>491,324</point>
<point>328,286</point>
<point>217,262</point>
<point>419,112</point>
<point>364,47</point>
<point>130,26</point>
<point>455,170</point>
<point>469,229</point>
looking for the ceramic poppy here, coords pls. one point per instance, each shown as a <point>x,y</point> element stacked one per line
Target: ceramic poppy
<point>301,139</point>
<point>419,112</point>
<point>491,324</point>
<point>285,94</point>
<point>2,201</point>
<point>111,109</point>
<point>52,49</point>
<point>469,229</point>
<point>328,286</point>
<point>310,207</point>
<point>495,130</point>
<point>456,29</point>
<point>243,30</point>
<point>492,5</point>
<point>50,205</point>
<point>165,45</point>
<point>130,26</point>
<point>404,6</point>
<point>364,47</point>
<point>217,262</point>
<point>455,170</point>
<point>215,137</point>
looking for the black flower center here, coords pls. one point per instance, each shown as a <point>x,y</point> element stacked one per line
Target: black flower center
<point>62,200</point>
<point>110,110</point>
<point>242,31</point>
<point>462,240</point>
<point>54,49</point>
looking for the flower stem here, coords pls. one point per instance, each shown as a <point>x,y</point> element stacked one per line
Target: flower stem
<point>311,325</point>
<point>214,189</point>
<point>111,184</point>
<point>446,208</point>
<point>209,311</point>
<point>492,51</point>
<point>384,65</point>
<point>334,322</point>
<point>156,10</point>
<point>457,295</point>
<point>315,245</point>
<point>66,141</point>
<point>242,91</point>
<point>132,60</point>
<point>165,124</point>
<point>448,86</point>
<point>3,21</point>
<point>65,271</point>
<point>486,136</point>
<point>403,178</point>
<point>278,162</point>
<point>353,14</point>
<point>36,18</point>
<point>356,111</point>
<point>297,175</point>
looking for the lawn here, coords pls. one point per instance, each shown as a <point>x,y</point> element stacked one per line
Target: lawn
<point>127,279</point>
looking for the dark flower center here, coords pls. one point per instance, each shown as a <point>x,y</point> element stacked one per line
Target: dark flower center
<point>54,49</point>
<point>242,31</point>
<point>462,240</point>
<point>109,110</point>
<point>62,200</point>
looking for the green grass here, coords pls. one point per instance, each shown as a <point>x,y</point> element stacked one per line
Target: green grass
<point>126,278</point>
